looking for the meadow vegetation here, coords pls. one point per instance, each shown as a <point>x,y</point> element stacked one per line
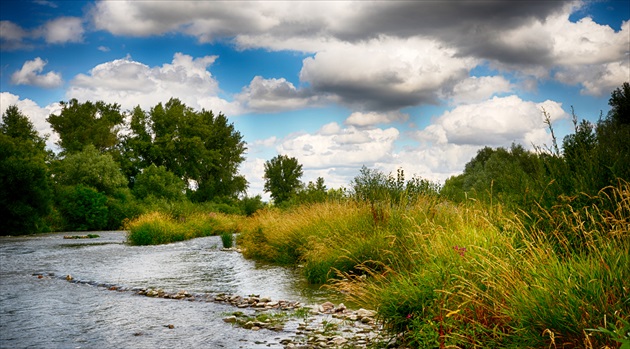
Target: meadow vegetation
<point>523,249</point>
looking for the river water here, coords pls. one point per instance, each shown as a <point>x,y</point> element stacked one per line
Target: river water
<point>50,312</point>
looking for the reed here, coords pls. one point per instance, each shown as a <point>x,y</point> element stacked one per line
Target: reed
<point>160,228</point>
<point>467,275</point>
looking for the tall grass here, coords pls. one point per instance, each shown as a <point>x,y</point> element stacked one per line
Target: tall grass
<point>466,275</point>
<point>160,228</point>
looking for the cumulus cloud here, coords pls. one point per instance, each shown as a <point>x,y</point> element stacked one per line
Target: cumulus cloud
<point>496,122</point>
<point>130,83</point>
<point>57,31</point>
<point>12,36</point>
<point>361,119</point>
<point>597,79</point>
<point>35,113</point>
<point>274,95</point>
<point>30,75</point>
<point>385,73</point>
<point>62,30</point>
<point>476,89</point>
<point>378,55</point>
<point>334,146</point>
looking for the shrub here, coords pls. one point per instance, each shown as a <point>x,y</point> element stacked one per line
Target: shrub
<point>227,239</point>
<point>83,208</point>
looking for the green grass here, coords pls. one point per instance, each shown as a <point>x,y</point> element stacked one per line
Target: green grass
<point>465,275</point>
<point>159,228</point>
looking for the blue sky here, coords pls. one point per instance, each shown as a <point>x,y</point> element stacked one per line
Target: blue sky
<point>338,85</point>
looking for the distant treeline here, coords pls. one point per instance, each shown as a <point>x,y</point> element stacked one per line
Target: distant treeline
<point>115,165</point>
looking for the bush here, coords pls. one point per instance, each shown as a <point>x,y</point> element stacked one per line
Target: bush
<point>160,228</point>
<point>83,208</point>
<point>227,238</point>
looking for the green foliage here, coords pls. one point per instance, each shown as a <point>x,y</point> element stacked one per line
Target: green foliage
<point>249,205</point>
<point>90,167</point>
<point>194,145</point>
<point>620,105</point>
<point>159,182</point>
<point>282,178</point>
<point>83,208</point>
<point>159,228</point>
<point>227,239</point>
<point>80,124</point>
<point>25,195</point>
<point>121,205</point>
<point>313,192</point>
<point>375,187</point>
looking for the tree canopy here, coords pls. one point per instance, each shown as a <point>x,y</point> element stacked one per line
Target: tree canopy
<point>282,178</point>
<point>25,193</point>
<point>80,124</point>
<point>195,145</point>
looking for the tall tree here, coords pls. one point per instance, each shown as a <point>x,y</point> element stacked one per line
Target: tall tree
<point>197,146</point>
<point>282,178</point>
<point>79,124</point>
<point>25,195</point>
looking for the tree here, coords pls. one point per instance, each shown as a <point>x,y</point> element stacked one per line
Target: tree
<point>196,146</point>
<point>282,178</point>
<point>620,105</point>
<point>313,192</point>
<point>25,195</point>
<point>80,124</point>
<point>83,208</point>
<point>160,183</point>
<point>90,168</point>
<point>613,138</point>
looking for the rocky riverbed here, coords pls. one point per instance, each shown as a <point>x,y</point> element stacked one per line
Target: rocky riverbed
<point>298,325</point>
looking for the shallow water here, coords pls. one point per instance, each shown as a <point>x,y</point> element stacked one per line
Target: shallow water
<point>50,312</point>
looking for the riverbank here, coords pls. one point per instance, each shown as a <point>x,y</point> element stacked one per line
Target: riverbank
<point>467,275</point>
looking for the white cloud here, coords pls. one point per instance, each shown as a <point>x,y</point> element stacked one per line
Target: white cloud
<point>130,83</point>
<point>476,89</point>
<point>11,34</point>
<point>596,80</point>
<point>361,119</point>
<point>385,73</point>
<point>274,95</point>
<point>586,42</point>
<point>30,75</point>
<point>35,113</point>
<point>495,122</point>
<point>103,48</point>
<point>347,147</point>
<point>266,143</point>
<point>62,30</point>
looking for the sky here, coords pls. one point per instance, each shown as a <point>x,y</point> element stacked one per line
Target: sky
<point>417,85</point>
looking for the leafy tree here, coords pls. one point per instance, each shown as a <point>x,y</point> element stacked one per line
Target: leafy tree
<point>370,185</point>
<point>620,105</point>
<point>313,192</point>
<point>282,178</point>
<point>83,208</point>
<point>374,186</point>
<point>613,138</point>
<point>195,145</point>
<point>80,124</point>
<point>511,176</point>
<point>249,205</point>
<point>25,195</point>
<point>160,183</point>
<point>90,168</point>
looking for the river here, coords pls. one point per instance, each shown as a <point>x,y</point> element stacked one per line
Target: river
<point>50,312</point>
